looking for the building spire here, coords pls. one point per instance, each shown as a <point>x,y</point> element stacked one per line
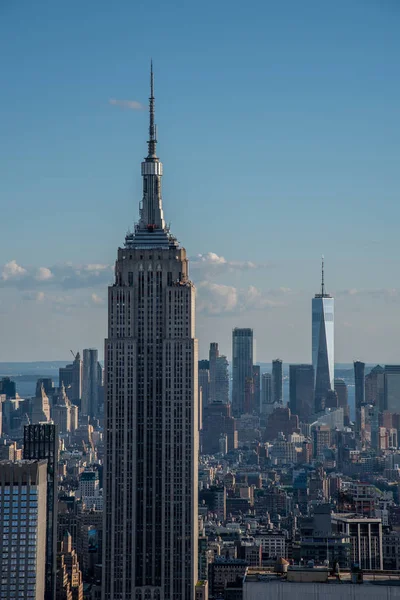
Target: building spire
<point>322,277</point>
<point>152,127</point>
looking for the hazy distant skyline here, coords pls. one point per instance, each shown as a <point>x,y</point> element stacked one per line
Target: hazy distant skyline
<point>279,133</point>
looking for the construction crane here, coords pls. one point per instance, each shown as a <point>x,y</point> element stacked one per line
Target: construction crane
<point>72,354</point>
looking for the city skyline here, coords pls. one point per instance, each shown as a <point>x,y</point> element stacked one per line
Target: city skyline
<point>316,118</point>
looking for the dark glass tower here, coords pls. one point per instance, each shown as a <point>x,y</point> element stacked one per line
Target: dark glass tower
<point>41,442</point>
<point>359,380</point>
<point>242,368</point>
<point>301,385</point>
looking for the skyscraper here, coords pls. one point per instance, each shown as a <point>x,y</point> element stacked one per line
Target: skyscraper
<point>71,377</point>
<point>359,380</point>
<point>392,389</point>
<point>242,367</point>
<point>375,387</point>
<point>151,431</point>
<point>322,343</point>
<point>41,443</point>
<point>222,380</point>
<point>23,540</point>
<point>301,394</point>
<point>257,387</point>
<point>90,383</point>
<point>277,381</point>
<point>266,393</point>
<point>213,356</point>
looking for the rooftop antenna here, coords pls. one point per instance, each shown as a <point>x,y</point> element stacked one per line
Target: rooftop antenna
<point>322,278</point>
<point>152,127</point>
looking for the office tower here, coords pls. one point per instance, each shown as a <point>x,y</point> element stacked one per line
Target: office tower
<point>48,386</point>
<point>301,391</point>
<point>151,430</point>
<point>1,417</point>
<point>359,380</point>
<point>257,384</point>
<point>322,343</point>
<point>248,396</point>
<point>266,392</point>
<point>213,357</point>
<point>218,422</point>
<point>321,437</point>
<point>375,387</point>
<point>242,367</point>
<point>71,377</point>
<point>343,398</point>
<point>70,560</point>
<point>7,387</point>
<point>64,413</point>
<point>331,400</point>
<point>277,381</point>
<point>23,529</point>
<point>40,412</point>
<point>392,389</point>
<point>41,443</point>
<point>222,380</point>
<point>204,381</point>
<point>90,383</point>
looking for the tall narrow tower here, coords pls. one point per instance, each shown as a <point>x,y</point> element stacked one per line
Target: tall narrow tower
<point>322,343</point>
<point>150,509</point>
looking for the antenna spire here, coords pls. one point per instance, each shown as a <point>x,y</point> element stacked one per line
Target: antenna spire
<point>322,278</point>
<point>152,127</point>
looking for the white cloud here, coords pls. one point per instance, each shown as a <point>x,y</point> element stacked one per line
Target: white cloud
<point>130,104</point>
<point>213,261</point>
<point>97,299</point>
<point>12,270</point>
<point>43,274</point>
<point>65,276</point>
<point>219,299</point>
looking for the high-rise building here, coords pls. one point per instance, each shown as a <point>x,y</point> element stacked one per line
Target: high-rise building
<point>392,389</point>
<point>213,357</point>
<point>375,387</point>
<point>359,380</point>
<point>8,387</point>
<point>277,381</point>
<point>70,560</point>
<point>40,412</point>
<point>203,388</point>
<point>322,343</point>
<point>343,398</point>
<point>242,367</point>
<point>23,529</point>
<point>151,432</point>
<point>266,393</point>
<point>301,391</point>
<point>257,387</point>
<point>71,377</point>
<point>222,380</point>
<point>41,443</point>
<point>90,383</point>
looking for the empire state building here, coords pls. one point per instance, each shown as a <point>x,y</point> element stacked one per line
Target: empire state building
<point>151,431</point>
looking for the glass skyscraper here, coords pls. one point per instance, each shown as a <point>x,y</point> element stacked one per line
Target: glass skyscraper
<point>322,343</point>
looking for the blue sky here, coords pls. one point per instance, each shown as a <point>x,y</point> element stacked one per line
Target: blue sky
<point>279,132</point>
